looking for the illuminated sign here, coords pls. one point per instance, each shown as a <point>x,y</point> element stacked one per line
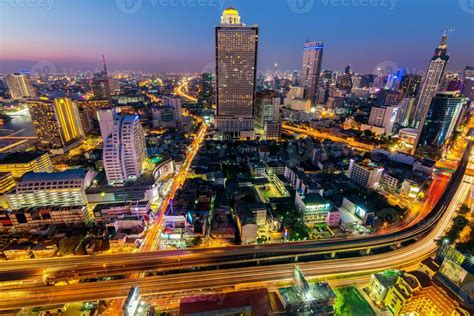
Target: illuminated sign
<point>360,212</point>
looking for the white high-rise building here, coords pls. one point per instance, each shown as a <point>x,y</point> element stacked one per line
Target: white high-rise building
<point>106,119</point>
<point>124,150</point>
<point>432,81</point>
<point>383,117</point>
<point>175,103</point>
<point>236,71</point>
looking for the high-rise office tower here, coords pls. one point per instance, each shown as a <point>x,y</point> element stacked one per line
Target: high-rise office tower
<point>124,148</point>
<point>236,70</point>
<point>311,68</point>
<point>57,123</point>
<point>468,83</point>
<point>441,120</point>
<point>431,82</point>
<point>19,85</point>
<point>206,91</point>
<point>409,86</point>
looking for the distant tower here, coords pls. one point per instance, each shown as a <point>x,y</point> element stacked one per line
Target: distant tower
<point>19,85</point>
<point>311,68</point>
<point>236,71</point>
<point>100,84</point>
<point>431,82</point>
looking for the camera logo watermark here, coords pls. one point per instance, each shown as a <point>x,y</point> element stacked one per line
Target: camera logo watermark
<point>300,6</point>
<point>467,6</point>
<point>133,6</point>
<point>47,4</point>
<point>305,6</point>
<point>129,6</point>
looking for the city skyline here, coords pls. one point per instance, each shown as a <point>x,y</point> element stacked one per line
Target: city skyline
<point>155,36</point>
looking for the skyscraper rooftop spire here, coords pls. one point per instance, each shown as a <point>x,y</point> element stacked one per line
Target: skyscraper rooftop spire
<point>442,48</point>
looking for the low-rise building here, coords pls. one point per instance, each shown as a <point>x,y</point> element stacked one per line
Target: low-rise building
<point>23,162</point>
<point>18,250</point>
<point>66,188</point>
<point>365,172</point>
<point>32,217</point>
<point>250,218</point>
<point>314,207</point>
<point>110,211</point>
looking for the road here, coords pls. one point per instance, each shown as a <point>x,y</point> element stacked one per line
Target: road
<point>323,135</point>
<point>156,285</point>
<point>180,90</point>
<point>151,238</point>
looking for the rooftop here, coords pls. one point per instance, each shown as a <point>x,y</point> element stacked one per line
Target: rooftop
<point>314,198</point>
<point>20,157</point>
<point>71,174</point>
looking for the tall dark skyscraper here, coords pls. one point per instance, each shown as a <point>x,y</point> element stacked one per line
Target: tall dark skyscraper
<point>206,91</point>
<point>409,86</point>
<point>236,71</point>
<point>431,82</point>
<point>311,68</point>
<point>441,120</point>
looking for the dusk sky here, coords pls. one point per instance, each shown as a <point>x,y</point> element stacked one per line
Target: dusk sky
<point>178,35</point>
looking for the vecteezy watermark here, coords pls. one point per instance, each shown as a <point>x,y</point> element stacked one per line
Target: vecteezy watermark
<point>44,69</point>
<point>300,6</point>
<point>305,6</point>
<point>385,68</point>
<point>467,6</point>
<point>47,4</point>
<point>133,6</point>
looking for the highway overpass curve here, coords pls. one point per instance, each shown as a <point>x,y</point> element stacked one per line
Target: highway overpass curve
<point>31,268</point>
<point>216,279</point>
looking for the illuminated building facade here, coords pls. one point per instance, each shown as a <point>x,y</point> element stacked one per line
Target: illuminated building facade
<point>20,86</point>
<point>57,123</point>
<point>236,70</point>
<point>124,149</point>
<point>432,81</point>
<point>365,173</point>
<point>28,218</point>
<point>383,117</point>
<point>7,182</point>
<point>311,68</point>
<point>314,207</point>
<point>88,112</point>
<point>66,188</point>
<point>20,163</point>
<point>440,122</point>
<point>409,85</point>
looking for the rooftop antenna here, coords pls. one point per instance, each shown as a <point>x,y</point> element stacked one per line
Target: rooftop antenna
<point>105,66</point>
